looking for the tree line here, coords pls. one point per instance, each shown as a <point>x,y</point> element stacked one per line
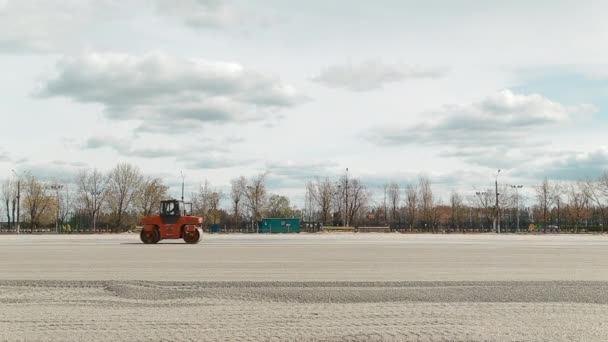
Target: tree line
<point>116,200</point>
<point>414,207</point>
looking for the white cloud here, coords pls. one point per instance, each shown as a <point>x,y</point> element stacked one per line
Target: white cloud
<point>501,119</point>
<point>290,174</point>
<point>371,75</point>
<point>43,25</point>
<point>201,13</point>
<point>209,154</point>
<point>4,157</point>
<point>53,172</point>
<point>169,94</point>
<point>499,131</point>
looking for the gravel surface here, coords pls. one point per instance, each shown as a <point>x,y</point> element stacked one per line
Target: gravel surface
<point>362,287</point>
<point>234,311</point>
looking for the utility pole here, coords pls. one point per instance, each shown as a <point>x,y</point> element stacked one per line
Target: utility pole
<point>18,202</point>
<point>497,218</point>
<point>183,178</point>
<point>558,214</point>
<point>95,193</point>
<point>346,204</point>
<point>57,188</point>
<point>517,187</point>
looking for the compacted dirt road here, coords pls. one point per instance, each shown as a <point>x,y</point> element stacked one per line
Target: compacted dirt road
<point>325,287</point>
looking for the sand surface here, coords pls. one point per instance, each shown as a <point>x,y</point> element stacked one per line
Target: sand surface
<point>336,287</point>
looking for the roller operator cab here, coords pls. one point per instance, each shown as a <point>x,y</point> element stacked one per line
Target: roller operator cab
<point>173,222</point>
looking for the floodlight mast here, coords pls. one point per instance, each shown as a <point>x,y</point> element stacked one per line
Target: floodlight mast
<point>517,187</point>
<point>18,201</point>
<point>183,178</point>
<point>497,216</point>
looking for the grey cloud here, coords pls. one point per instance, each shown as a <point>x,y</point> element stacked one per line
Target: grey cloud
<point>69,163</point>
<point>495,132</point>
<point>295,175</point>
<point>498,120</point>
<point>170,94</point>
<point>372,75</point>
<point>217,162</point>
<point>456,178</point>
<point>503,157</point>
<point>201,13</point>
<point>38,26</point>
<point>218,14</point>
<point>4,157</point>
<point>126,148</point>
<point>209,154</point>
<point>572,166</point>
<point>51,172</point>
<point>118,145</point>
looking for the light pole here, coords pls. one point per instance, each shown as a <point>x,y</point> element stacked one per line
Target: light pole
<point>517,187</point>
<point>497,218</point>
<point>18,202</point>
<point>183,181</point>
<point>254,205</point>
<point>338,195</point>
<point>57,188</point>
<point>346,201</point>
<point>95,193</point>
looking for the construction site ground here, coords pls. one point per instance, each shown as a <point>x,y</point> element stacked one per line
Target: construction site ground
<point>305,287</point>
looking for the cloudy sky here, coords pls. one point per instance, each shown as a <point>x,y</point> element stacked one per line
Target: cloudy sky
<point>390,89</point>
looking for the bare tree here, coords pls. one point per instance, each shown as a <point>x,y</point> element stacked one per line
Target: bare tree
<point>151,193</point>
<point>338,203</point>
<point>207,203</point>
<point>427,202</point>
<point>255,196</point>
<point>350,197</point>
<point>322,192</point>
<point>544,196</point>
<point>125,182</point>
<point>279,207</point>
<point>384,204</point>
<point>577,202</point>
<point>201,200</point>
<point>411,204</point>
<point>597,193</point>
<point>457,214</point>
<point>215,198</point>
<point>92,192</point>
<point>558,190</point>
<point>237,193</point>
<point>36,199</point>
<point>485,201</point>
<point>8,196</point>
<point>65,201</point>
<point>394,198</point>
<point>309,213</point>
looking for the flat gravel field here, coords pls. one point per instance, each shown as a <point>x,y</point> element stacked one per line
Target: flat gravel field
<point>306,287</point>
